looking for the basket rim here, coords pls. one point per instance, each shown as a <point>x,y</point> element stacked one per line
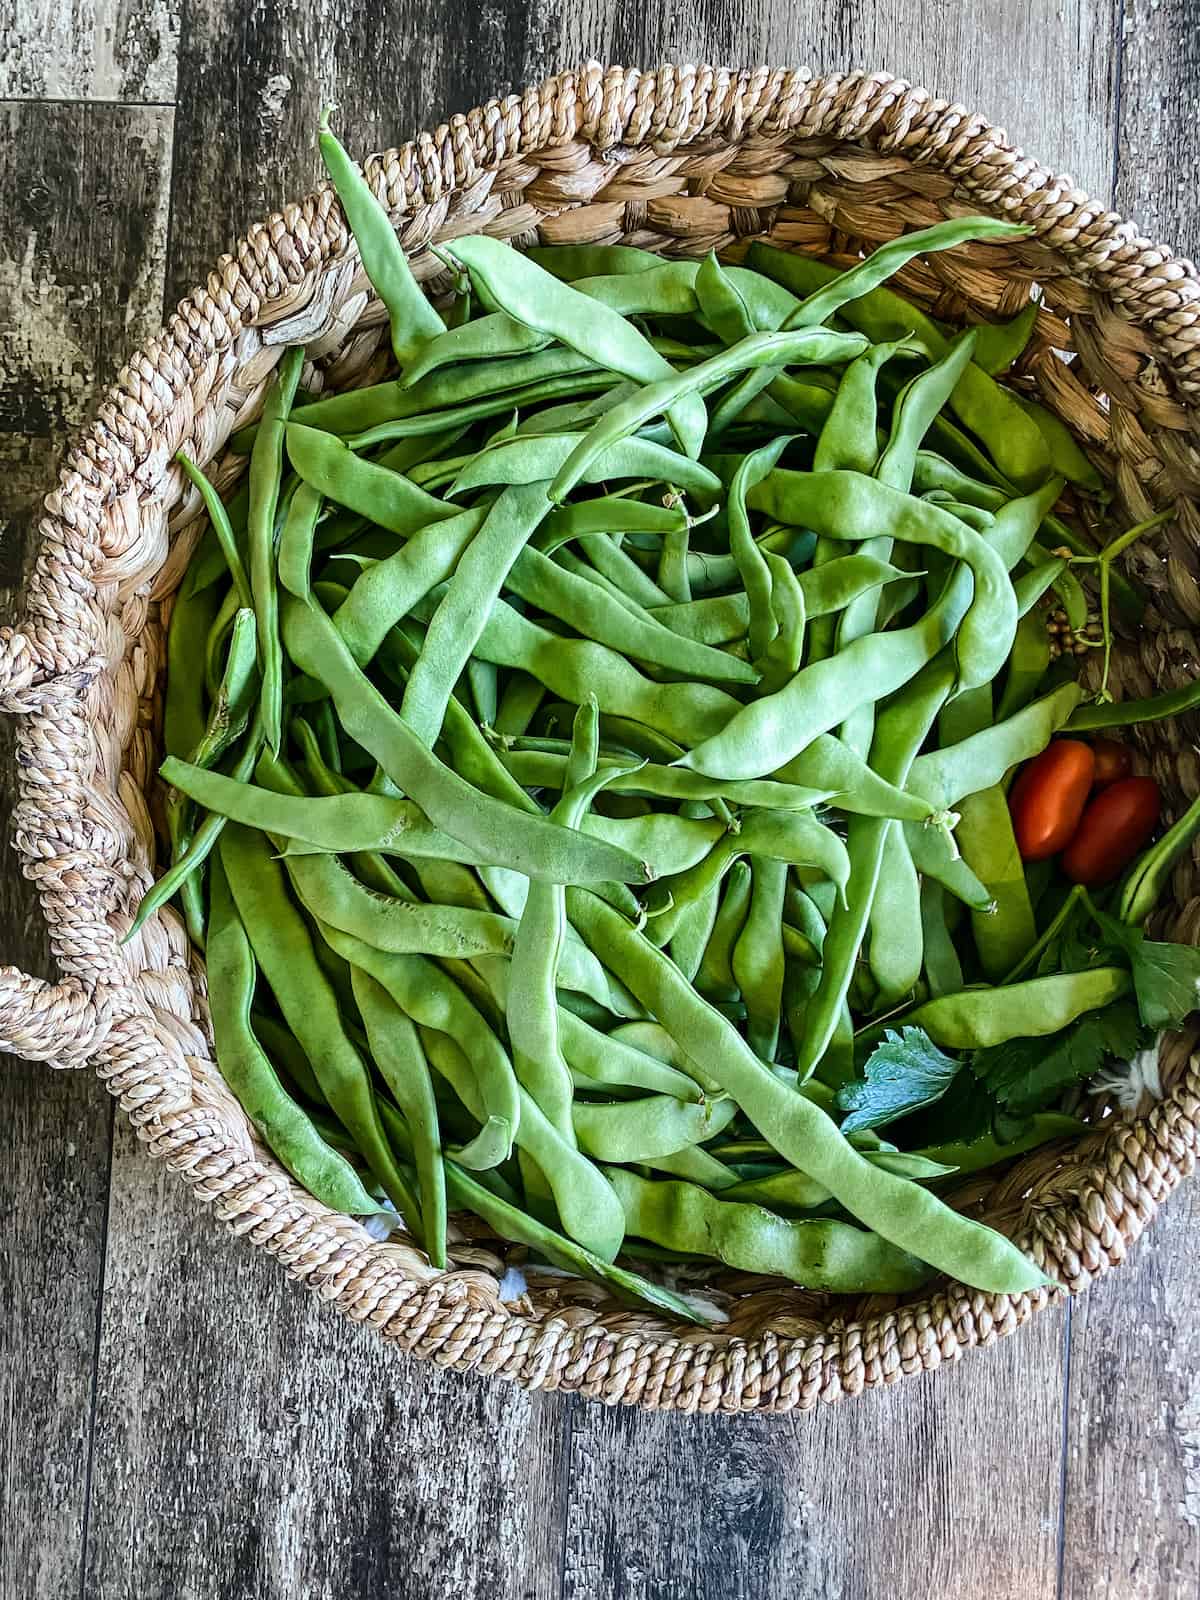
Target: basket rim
<point>53,667</point>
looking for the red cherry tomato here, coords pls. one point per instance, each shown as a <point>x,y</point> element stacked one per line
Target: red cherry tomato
<point>1113,828</point>
<point>1048,798</point>
<point>1113,761</point>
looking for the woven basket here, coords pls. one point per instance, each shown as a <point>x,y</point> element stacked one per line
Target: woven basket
<point>683,160</point>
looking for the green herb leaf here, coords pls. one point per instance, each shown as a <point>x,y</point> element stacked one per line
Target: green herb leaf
<point>904,1073</point>
<point>1166,980</point>
<point>1166,977</point>
<point>1027,1075</point>
<point>968,1110</point>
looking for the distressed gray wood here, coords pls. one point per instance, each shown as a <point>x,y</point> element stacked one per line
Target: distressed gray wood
<point>249,1445</point>
<point>1043,70</point>
<point>252,83</point>
<point>53,1191</point>
<point>883,1496</point>
<point>1132,1465</point>
<point>83,200</point>
<point>83,195</point>
<point>89,49</point>
<point>241,1441</point>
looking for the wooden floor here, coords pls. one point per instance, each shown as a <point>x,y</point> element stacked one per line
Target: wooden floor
<point>176,1420</point>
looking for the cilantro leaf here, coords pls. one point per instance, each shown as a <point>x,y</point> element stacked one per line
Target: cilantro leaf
<point>900,1075</point>
<point>1027,1075</point>
<point>1166,977</point>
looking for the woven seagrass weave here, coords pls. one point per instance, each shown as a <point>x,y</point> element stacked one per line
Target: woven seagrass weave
<point>683,160</point>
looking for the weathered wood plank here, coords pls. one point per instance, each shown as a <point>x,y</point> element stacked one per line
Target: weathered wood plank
<point>1158,146</point>
<point>1043,70</point>
<point>53,1193</point>
<point>83,194</point>
<point>1131,1528</point>
<point>83,191</point>
<point>251,1444</point>
<point>252,82</point>
<point>1132,1524</point>
<point>882,1495</point>
<point>89,50</point>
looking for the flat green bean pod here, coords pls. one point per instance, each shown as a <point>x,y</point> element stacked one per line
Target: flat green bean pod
<point>285,1127</point>
<point>648,1128</point>
<point>537,846</point>
<point>346,822</point>
<point>796,1191</point>
<point>945,776</point>
<point>413,320</point>
<point>978,1018</point>
<point>284,950</point>
<point>397,1051</point>
<point>816,1254</point>
<point>772,731</point>
<point>901,1212</point>
<point>529,460</point>
<point>516,284</point>
<point>388,498</point>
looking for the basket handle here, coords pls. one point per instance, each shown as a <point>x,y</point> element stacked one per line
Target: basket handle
<point>29,683</point>
<point>62,1024</point>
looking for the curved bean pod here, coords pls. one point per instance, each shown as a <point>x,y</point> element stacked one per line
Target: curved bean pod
<point>516,284</point>
<point>945,776</point>
<point>977,1018</point>
<point>284,949</point>
<point>537,847</point>
<point>266,465</point>
<point>402,1065</point>
<point>816,1254</point>
<point>531,459</point>
<point>649,1128</point>
<point>386,497</point>
<point>413,320</point>
<point>901,1212</point>
<point>286,1129</point>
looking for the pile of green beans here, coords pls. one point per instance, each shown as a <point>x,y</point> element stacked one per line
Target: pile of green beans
<point>565,740</point>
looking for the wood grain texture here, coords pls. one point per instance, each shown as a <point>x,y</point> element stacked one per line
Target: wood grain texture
<point>53,1194</point>
<point>88,49</point>
<point>1044,69</point>
<point>867,1499</point>
<point>251,1446</point>
<point>1132,1468</point>
<point>252,83</point>
<point>83,193</point>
